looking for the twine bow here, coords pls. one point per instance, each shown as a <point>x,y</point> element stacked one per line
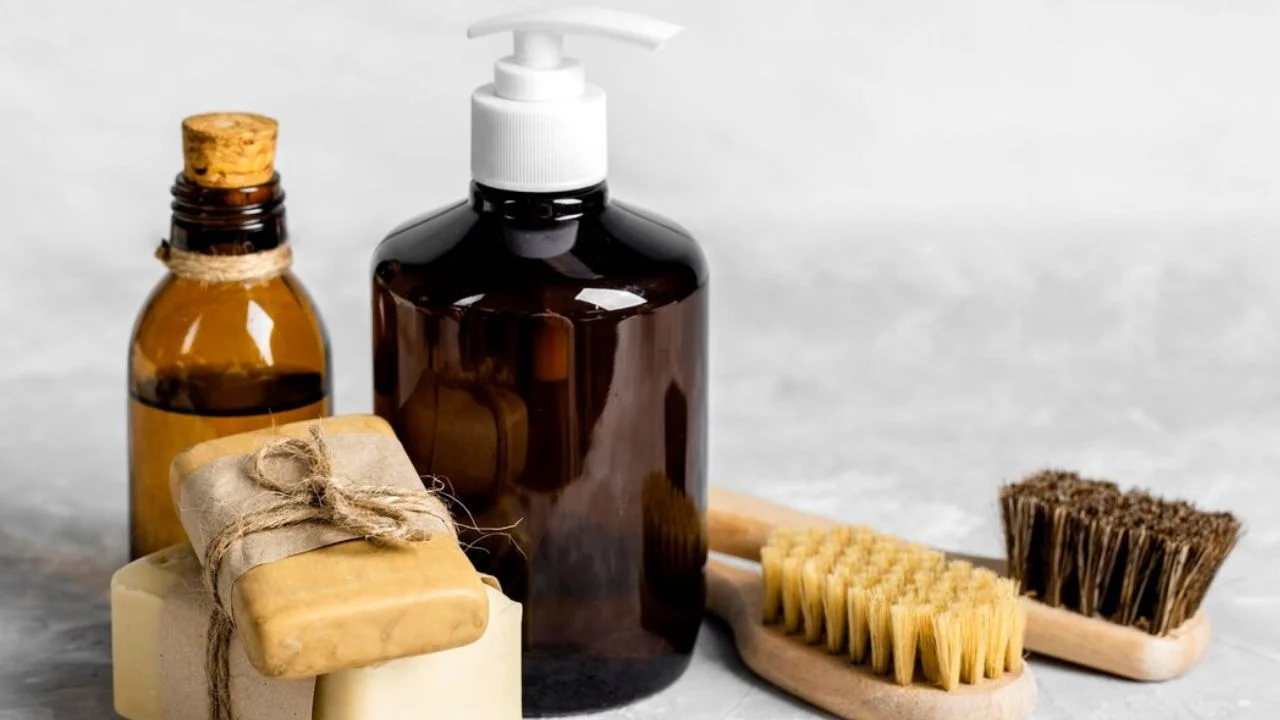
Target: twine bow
<point>379,513</point>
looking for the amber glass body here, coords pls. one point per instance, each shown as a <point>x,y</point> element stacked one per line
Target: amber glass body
<point>545,357</point>
<point>213,359</point>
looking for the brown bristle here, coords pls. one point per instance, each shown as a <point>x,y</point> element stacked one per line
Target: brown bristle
<point>1129,557</point>
<point>895,606</point>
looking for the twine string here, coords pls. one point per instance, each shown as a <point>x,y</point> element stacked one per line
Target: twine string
<point>205,268</point>
<point>379,513</point>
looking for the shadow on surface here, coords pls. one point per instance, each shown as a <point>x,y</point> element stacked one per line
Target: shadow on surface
<point>720,648</point>
<point>55,621</point>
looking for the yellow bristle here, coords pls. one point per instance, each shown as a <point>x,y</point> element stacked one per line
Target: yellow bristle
<point>947,638</point>
<point>1007,587</point>
<point>879,621</point>
<point>998,629</point>
<point>845,564</point>
<point>812,592</point>
<point>771,569</point>
<point>973,625</point>
<point>1016,637</point>
<point>928,647</point>
<point>903,620</point>
<point>834,606</point>
<point>887,602</point>
<point>984,578</point>
<point>916,557</point>
<point>859,624</point>
<point>791,568</point>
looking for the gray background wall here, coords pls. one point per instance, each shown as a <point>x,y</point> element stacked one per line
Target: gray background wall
<point>951,242</point>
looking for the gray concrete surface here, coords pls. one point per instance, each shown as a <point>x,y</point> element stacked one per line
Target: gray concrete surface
<point>950,245</point>
<point>898,394</point>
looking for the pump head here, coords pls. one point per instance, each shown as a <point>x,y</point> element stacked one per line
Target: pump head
<point>540,127</point>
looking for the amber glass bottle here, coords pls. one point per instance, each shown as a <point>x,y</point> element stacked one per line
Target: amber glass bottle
<point>229,340</point>
<point>546,355</point>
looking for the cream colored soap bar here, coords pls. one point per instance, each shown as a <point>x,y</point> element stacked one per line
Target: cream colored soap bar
<point>480,681</point>
<point>159,612</point>
<point>158,616</point>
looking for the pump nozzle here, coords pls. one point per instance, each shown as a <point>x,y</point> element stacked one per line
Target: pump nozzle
<point>549,25</point>
<point>540,127</point>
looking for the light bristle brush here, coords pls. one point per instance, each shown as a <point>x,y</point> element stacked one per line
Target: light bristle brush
<point>1147,565</point>
<point>962,625</point>
<point>870,628</point>
<point>885,602</point>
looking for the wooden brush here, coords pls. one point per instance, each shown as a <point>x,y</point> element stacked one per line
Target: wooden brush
<point>962,626</point>
<point>1125,572</point>
<point>740,525</point>
<point>870,628</point>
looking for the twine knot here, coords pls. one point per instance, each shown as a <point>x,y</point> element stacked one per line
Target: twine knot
<point>379,513</point>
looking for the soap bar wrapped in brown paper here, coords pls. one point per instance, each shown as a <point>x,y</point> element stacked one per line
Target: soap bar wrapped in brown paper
<point>308,596</point>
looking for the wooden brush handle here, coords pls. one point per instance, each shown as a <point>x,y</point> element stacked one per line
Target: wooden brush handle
<point>724,598</point>
<point>1116,649</point>
<point>740,524</point>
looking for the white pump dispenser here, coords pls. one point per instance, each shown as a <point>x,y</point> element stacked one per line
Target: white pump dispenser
<point>539,126</point>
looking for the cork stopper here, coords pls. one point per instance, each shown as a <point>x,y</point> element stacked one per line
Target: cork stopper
<point>229,150</point>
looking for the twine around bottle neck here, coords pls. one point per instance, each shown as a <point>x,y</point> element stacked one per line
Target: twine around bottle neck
<point>227,235</point>
<point>205,268</point>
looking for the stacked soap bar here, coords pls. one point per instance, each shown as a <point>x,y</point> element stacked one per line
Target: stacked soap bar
<point>348,595</point>
<point>159,611</point>
<point>312,599</point>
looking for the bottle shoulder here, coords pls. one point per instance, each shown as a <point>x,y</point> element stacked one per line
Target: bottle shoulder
<point>457,253</point>
<point>267,324</point>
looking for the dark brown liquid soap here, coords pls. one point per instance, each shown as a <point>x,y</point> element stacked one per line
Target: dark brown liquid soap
<point>546,355</point>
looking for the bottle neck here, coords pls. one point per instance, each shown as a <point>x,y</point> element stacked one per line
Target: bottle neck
<point>558,206</point>
<point>227,221</point>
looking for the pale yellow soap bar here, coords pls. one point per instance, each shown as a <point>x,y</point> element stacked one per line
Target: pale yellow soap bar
<point>480,681</point>
<point>158,616</point>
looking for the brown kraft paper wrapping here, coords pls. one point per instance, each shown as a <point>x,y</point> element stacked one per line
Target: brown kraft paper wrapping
<point>312,599</point>
<point>184,693</point>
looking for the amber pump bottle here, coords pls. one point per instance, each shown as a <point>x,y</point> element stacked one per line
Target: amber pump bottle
<point>541,348</point>
<point>229,340</point>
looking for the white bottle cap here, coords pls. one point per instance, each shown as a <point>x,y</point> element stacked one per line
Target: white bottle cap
<point>539,126</point>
